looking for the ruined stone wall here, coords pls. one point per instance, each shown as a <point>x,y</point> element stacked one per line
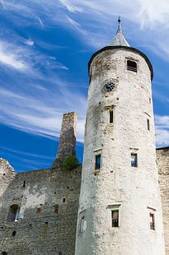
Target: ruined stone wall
<point>163,166</point>
<point>48,202</point>
<point>67,142</point>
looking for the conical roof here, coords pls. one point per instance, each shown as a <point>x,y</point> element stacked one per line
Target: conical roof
<point>119,39</point>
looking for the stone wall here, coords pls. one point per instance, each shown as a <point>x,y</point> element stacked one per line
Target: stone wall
<point>48,202</point>
<point>67,137</point>
<point>163,166</point>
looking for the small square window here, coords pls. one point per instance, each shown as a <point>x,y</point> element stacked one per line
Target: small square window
<point>152,221</point>
<point>111,116</point>
<point>134,161</point>
<point>132,66</point>
<point>97,161</point>
<point>39,210</point>
<point>115,218</point>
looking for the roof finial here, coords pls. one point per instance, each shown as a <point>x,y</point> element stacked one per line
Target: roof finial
<point>119,19</point>
<point>119,39</point>
<point>119,29</point>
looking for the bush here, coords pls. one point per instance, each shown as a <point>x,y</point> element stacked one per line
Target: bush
<point>70,163</point>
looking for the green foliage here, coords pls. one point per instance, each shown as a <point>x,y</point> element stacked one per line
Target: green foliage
<point>70,163</point>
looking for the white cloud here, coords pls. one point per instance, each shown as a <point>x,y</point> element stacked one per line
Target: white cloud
<point>10,58</point>
<point>29,42</point>
<point>41,117</point>
<point>162,130</point>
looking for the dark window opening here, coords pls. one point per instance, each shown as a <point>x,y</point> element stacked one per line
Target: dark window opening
<point>115,218</point>
<point>97,161</point>
<point>134,161</point>
<point>60,253</point>
<point>132,66</point>
<point>13,214</point>
<point>148,124</point>
<point>56,209</point>
<point>64,200</point>
<point>24,184</point>
<point>39,210</point>
<point>152,221</point>
<point>46,222</point>
<point>111,116</point>
<point>14,233</point>
<point>4,253</point>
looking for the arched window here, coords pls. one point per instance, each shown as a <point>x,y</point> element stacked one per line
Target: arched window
<point>13,214</point>
<point>131,66</point>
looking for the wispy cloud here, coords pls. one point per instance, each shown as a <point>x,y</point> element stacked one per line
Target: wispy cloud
<point>162,130</point>
<point>11,57</point>
<point>36,102</point>
<point>35,116</point>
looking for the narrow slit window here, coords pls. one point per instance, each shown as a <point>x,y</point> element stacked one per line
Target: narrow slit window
<point>56,209</point>
<point>152,221</point>
<point>111,116</point>
<point>115,218</point>
<point>148,124</point>
<point>132,66</point>
<point>98,162</point>
<point>134,160</point>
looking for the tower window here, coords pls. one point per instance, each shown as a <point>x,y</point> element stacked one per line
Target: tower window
<point>148,124</point>
<point>111,116</point>
<point>152,221</point>
<point>13,214</point>
<point>132,66</point>
<point>14,233</point>
<point>134,160</point>
<point>56,209</point>
<point>39,210</point>
<point>97,161</point>
<point>115,218</point>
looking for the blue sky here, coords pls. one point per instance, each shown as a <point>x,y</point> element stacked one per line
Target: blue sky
<point>44,50</point>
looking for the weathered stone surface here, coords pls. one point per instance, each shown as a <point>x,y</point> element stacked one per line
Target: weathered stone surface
<point>163,166</point>
<point>48,203</point>
<point>134,190</point>
<point>67,138</point>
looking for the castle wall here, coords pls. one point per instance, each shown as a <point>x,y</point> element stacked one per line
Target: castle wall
<point>48,203</point>
<point>163,166</point>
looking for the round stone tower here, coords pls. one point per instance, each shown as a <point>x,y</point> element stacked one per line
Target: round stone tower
<point>120,207</point>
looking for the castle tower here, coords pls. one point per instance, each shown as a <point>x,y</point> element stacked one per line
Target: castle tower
<point>120,207</point>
